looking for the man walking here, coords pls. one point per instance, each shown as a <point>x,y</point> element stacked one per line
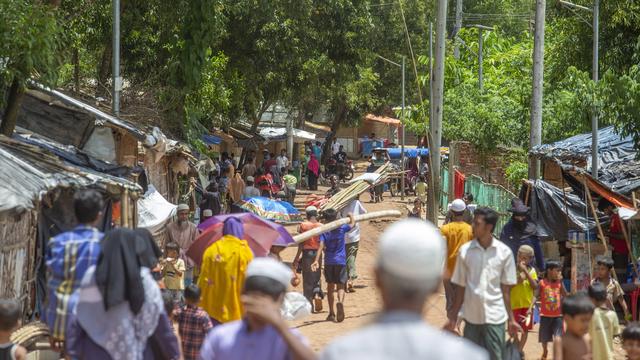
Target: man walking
<point>352,240</point>
<point>68,256</point>
<point>183,232</point>
<point>456,233</point>
<point>485,272</point>
<point>411,254</point>
<point>521,231</point>
<point>307,252</point>
<point>282,161</point>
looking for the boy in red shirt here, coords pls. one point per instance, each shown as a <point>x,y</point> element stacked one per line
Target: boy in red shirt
<point>552,292</point>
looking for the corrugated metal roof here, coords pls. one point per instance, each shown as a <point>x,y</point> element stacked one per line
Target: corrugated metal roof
<point>29,172</point>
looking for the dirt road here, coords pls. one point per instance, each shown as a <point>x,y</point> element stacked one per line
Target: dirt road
<point>362,306</point>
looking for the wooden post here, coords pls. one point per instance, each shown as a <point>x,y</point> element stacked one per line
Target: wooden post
<point>124,209</point>
<point>595,216</point>
<point>526,197</point>
<point>626,239</point>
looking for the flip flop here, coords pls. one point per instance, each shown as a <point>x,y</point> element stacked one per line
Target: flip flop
<point>317,304</point>
<point>340,311</point>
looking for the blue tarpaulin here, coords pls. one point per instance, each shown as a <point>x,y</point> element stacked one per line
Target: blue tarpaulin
<point>396,153</point>
<point>211,139</point>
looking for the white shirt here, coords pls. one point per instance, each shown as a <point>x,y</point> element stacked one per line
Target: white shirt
<point>482,272</point>
<point>335,148</point>
<point>355,207</point>
<point>282,162</point>
<point>401,335</point>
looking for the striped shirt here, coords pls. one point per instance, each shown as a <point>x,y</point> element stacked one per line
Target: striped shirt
<point>68,256</point>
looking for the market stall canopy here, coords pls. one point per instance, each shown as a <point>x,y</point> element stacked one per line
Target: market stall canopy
<point>618,161</point>
<point>382,119</point>
<point>29,172</point>
<point>280,134</point>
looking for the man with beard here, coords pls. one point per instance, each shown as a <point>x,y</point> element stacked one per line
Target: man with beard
<point>183,232</point>
<point>522,231</point>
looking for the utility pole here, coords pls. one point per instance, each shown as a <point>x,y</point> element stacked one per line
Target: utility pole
<point>480,43</point>
<point>430,70</point>
<point>290,139</point>
<point>456,29</point>
<point>536,98</point>
<point>117,81</point>
<point>438,99</point>
<point>402,184</point>
<point>594,111</point>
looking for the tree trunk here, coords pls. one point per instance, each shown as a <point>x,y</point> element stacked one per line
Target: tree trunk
<point>104,71</point>
<point>338,119</point>
<point>14,100</point>
<point>76,70</point>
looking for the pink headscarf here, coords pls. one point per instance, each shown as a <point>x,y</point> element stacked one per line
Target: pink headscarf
<point>314,165</point>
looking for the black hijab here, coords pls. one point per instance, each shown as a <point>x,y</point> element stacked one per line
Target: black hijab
<point>124,252</point>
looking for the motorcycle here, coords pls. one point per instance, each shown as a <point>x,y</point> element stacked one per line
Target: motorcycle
<point>344,171</point>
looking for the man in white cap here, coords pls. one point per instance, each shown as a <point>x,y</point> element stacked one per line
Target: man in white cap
<point>206,214</point>
<point>183,232</point>
<point>307,252</point>
<point>262,333</point>
<point>408,269</point>
<point>456,233</point>
<point>249,189</point>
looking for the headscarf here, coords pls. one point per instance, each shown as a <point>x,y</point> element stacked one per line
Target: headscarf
<point>234,227</point>
<point>117,274</point>
<point>236,187</point>
<point>314,165</point>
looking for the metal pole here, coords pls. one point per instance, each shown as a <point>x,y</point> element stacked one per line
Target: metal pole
<point>438,99</point>
<point>402,126</point>
<point>289,139</point>
<point>536,98</point>
<point>117,82</point>
<point>456,29</point>
<point>480,59</point>
<point>594,111</point>
<point>430,70</point>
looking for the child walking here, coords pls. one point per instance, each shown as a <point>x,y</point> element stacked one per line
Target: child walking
<point>522,293</point>
<point>577,310</point>
<point>9,322</point>
<point>193,323</point>
<point>613,288</point>
<point>173,269</point>
<point>631,341</point>
<point>604,324</point>
<point>552,292</point>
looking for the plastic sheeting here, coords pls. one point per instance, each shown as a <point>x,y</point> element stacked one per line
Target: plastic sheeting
<point>396,153</point>
<point>154,210</point>
<point>554,215</point>
<point>618,162</point>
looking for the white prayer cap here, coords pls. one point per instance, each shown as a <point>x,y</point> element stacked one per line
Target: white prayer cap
<point>183,207</point>
<point>270,268</point>
<point>412,250</point>
<point>458,205</point>
<point>207,212</point>
<point>250,178</point>
<point>311,209</point>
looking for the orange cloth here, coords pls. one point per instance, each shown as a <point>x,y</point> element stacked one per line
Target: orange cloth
<point>314,242</point>
<point>221,279</point>
<point>456,233</point>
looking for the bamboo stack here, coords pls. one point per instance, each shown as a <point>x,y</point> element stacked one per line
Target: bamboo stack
<point>344,196</point>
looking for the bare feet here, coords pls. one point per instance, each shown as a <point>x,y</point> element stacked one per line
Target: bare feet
<point>331,317</point>
<point>340,309</point>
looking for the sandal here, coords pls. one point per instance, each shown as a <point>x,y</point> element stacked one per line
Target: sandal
<point>331,317</point>
<point>340,310</point>
<point>317,304</point>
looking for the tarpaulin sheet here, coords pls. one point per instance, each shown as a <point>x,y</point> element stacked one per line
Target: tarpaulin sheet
<point>554,214</point>
<point>396,153</point>
<point>154,209</point>
<point>618,161</point>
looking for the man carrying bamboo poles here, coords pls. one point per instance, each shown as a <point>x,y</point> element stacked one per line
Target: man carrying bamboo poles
<point>307,252</point>
<point>352,240</point>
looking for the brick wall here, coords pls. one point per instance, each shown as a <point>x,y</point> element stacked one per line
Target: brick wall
<point>490,166</point>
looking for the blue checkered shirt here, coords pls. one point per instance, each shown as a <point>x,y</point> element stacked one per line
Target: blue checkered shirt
<point>68,257</point>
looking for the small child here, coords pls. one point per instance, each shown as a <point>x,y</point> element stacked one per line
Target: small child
<point>9,322</point>
<point>522,293</point>
<point>193,323</point>
<point>604,325</point>
<point>552,292</point>
<point>416,212</point>
<point>421,189</point>
<point>631,341</point>
<point>614,290</point>
<point>575,344</point>
<point>173,269</point>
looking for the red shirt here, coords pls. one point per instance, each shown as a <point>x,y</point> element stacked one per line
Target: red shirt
<point>550,298</point>
<point>314,242</point>
<point>616,237</point>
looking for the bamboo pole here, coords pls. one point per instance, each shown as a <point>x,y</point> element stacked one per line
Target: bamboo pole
<point>300,238</point>
<point>626,239</point>
<point>595,216</point>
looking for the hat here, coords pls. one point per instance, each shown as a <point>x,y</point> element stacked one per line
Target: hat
<point>458,205</point>
<point>207,213</point>
<point>250,179</point>
<point>311,210</point>
<point>414,251</point>
<point>183,207</point>
<point>269,268</point>
<point>518,207</point>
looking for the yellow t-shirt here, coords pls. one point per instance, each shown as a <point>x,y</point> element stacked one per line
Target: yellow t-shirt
<point>456,234</point>
<point>522,292</point>
<point>421,189</point>
<point>603,327</point>
<point>221,279</point>
<point>170,278</point>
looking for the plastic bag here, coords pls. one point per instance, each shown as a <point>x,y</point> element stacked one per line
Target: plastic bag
<point>511,351</point>
<point>295,306</point>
